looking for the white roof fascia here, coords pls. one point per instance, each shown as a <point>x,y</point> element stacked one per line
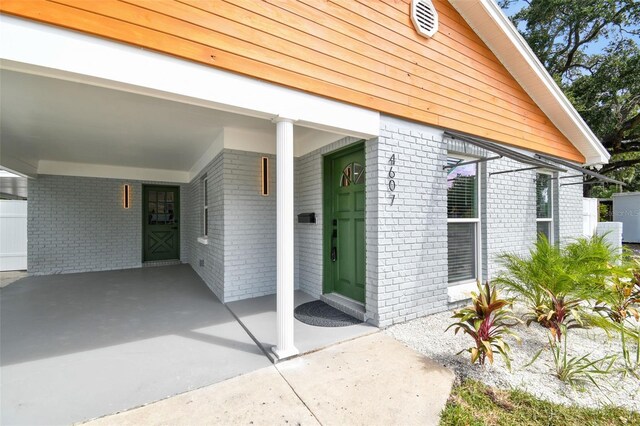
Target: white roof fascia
<point>496,30</point>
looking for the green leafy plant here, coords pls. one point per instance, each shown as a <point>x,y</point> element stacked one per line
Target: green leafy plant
<point>487,321</point>
<point>631,359</point>
<point>577,370</point>
<point>618,301</point>
<point>619,296</point>
<point>554,282</point>
<point>526,277</point>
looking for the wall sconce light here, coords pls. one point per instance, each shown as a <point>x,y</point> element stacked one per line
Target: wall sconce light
<point>265,177</point>
<point>127,196</point>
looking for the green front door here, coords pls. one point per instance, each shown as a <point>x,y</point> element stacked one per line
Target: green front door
<point>344,226</point>
<point>161,223</point>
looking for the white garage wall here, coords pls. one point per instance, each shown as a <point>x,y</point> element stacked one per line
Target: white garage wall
<point>13,235</point>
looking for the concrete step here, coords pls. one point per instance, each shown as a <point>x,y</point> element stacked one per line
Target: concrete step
<point>344,304</point>
<point>154,263</point>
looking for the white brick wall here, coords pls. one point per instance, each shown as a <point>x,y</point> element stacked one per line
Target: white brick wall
<point>509,212</point>
<point>406,241</point>
<point>78,224</point>
<point>212,272</point>
<point>570,203</point>
<point>240,257</point>
<point>249,227</point>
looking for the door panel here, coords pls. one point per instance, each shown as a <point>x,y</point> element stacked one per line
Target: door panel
<point>161,223</point>
<point>344,203</point>
<point>344,263</point>
<point>360,254</point>
<point>345,224</point>
<point>359,200</point>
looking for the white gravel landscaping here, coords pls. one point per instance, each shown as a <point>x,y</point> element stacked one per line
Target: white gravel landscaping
<point>427,336</point>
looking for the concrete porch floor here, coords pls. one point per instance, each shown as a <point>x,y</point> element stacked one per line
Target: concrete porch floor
<point>258,315</point>
<point>79,346</point>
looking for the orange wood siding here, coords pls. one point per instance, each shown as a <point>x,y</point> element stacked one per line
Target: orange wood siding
<point>362,52</point>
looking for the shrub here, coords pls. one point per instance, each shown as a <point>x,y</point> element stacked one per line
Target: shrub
<point>486,321</point>
<point>619,296</point>
<point>590,258</point>
<point>554,282</point>
<point>527,277</point>
<point>618,300</point>
<point>547,281</point>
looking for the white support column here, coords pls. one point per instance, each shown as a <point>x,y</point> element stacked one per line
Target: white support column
<point>284,186</point>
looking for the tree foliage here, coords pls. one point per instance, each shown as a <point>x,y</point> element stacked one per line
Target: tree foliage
<point>590,47</point>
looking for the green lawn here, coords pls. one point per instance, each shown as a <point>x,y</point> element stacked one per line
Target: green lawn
<point>473,403</point>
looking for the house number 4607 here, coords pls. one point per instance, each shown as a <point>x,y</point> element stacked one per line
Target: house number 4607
<point>391,184</point>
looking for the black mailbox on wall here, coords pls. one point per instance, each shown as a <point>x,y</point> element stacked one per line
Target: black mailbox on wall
<point>307,218</point>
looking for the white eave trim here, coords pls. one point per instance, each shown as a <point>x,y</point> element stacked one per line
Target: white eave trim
<point>64,168</point>
<point>50,51</point>
<point>494,28</point>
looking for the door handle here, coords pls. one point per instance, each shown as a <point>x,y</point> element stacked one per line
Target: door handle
<point>334,249</point>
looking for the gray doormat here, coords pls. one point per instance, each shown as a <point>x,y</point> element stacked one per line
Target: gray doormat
<point>320,314</point>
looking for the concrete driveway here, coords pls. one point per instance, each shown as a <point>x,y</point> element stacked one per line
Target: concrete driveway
<point>80,346</point>
<point>371,380</point>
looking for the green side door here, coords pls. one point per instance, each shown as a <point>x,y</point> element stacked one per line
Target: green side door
<point>161,223</point>
<point>344,224</point>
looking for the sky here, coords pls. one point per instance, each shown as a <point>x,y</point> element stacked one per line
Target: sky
<point>592,48</point>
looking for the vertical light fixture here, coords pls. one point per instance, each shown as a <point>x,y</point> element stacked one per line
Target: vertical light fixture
<point>127,196</point>
<point>265,177</point>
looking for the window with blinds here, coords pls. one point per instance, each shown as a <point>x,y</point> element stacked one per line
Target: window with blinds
<point>463,220</point>
<point>462,251</point>
<point>462,191</point>
<point>544,205</point>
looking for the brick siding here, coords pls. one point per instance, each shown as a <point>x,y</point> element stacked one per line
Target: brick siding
<point>249,227</point>
<point>406,241</point>
<point>79,224</point>
<point>212,255</point>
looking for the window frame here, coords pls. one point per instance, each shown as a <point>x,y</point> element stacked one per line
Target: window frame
<point>477,220</point>
<point>550,220</point>
<point>205,207</point>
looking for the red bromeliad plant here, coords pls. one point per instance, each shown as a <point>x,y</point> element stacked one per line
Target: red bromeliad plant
<point>487,322</point>
<point>561,314</point>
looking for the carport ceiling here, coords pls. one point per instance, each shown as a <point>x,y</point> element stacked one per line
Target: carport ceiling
<point>49,119</point>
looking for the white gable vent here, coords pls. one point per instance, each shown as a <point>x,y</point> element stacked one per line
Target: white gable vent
<point>424,17</point>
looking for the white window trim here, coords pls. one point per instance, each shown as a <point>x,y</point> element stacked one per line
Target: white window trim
<point>462,286</point>
<point>552,236</point>
<point>204,239</point>
<point>458,292</point>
